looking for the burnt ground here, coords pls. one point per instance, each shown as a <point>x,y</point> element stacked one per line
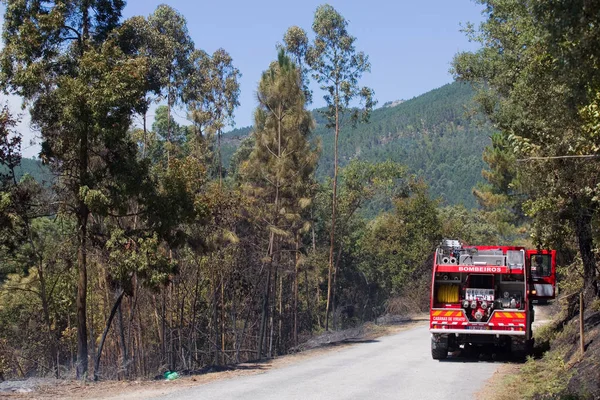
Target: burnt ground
<point>47,388</point>
<point>585,382</point>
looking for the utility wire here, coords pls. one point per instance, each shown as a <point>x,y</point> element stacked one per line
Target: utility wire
<point>558,157</point>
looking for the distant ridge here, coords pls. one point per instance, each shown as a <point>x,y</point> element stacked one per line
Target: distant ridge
<point>434,134</point>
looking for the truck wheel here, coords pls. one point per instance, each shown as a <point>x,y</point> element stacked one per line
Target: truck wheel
<point>519,349</point>
<point>438,350</point>
<point>439,354</point>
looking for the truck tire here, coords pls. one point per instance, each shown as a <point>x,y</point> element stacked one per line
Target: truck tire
<point>438,352</point>
<point>520,349</point>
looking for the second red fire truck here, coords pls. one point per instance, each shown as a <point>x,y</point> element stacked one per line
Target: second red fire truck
<point>483,295</point>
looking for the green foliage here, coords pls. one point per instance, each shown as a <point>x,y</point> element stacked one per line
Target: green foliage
<point>477,227</point>
<point>537,82</point>
<point>142,231</point>
<point>36,298</point>
<point>283,159</point>
<point>142,257</point>
<point>296,45</point>
<point>38,171</point>
<point>397,245</point>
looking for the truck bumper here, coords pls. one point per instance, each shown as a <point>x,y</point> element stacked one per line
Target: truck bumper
<point>478,332</point>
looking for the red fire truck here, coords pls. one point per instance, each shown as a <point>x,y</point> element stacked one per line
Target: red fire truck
<point>483,295</point>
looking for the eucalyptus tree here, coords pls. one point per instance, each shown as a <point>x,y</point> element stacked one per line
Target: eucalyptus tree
<point>170,49</point>
<point>224,94</point>
<point>280,164</point>
<point>212,93</point>
<point>337,67</point>
<point>82,90</point>
<point>196,92</point>
<point>296,44</point>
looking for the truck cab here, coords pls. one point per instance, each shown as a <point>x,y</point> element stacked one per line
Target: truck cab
<point>542,264</point>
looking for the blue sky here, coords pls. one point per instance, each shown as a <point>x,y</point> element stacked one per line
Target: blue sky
<point>410,43</point>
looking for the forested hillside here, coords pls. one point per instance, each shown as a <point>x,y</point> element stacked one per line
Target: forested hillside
<point>434,134</point>
<point>431,134</point>
<point>34,168</point>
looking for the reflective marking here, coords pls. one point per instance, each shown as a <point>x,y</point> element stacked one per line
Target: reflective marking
<point>500,323</point>
<point>436,313</point>
<point>507,315</point>
<point>520,315</point>
<point>449,313</point>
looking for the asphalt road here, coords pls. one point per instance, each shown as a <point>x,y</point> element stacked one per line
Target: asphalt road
<point>391,367</point>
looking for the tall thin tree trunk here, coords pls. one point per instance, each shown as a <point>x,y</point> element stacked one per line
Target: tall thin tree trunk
<point>169,120</point>
<point>215,318</point>
<point>164,326</point>
<point>265,312</point>
<point>113,311</point>
<point>272,315</point>
<point>297,261</point>
<point>82,219</point>
<point>220,160</point>
<point>222,321</point>
<point>583,230</point>
<point>280,317</point>
<point>333,215</point>
<point>122,343</point>
<point>335,273</point>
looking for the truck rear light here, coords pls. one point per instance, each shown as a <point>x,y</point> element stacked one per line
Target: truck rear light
<point>484,304</point>
<point>466,303</point>
<point>474,304</point>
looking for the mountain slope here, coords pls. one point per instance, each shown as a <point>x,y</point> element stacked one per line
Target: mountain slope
<point>34,168</point>
<point>432,134</point>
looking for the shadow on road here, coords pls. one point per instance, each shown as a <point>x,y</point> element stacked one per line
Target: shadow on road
<point>350,340</point>
<point>486,355</point>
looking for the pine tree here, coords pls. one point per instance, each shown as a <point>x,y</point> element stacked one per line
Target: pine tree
<point>280,166</point>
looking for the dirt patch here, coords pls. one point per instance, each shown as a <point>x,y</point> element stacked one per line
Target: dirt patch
<point>128,390</point>
<point>496,385</point>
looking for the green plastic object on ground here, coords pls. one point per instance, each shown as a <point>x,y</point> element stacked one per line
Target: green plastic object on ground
<point>171,375</point>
